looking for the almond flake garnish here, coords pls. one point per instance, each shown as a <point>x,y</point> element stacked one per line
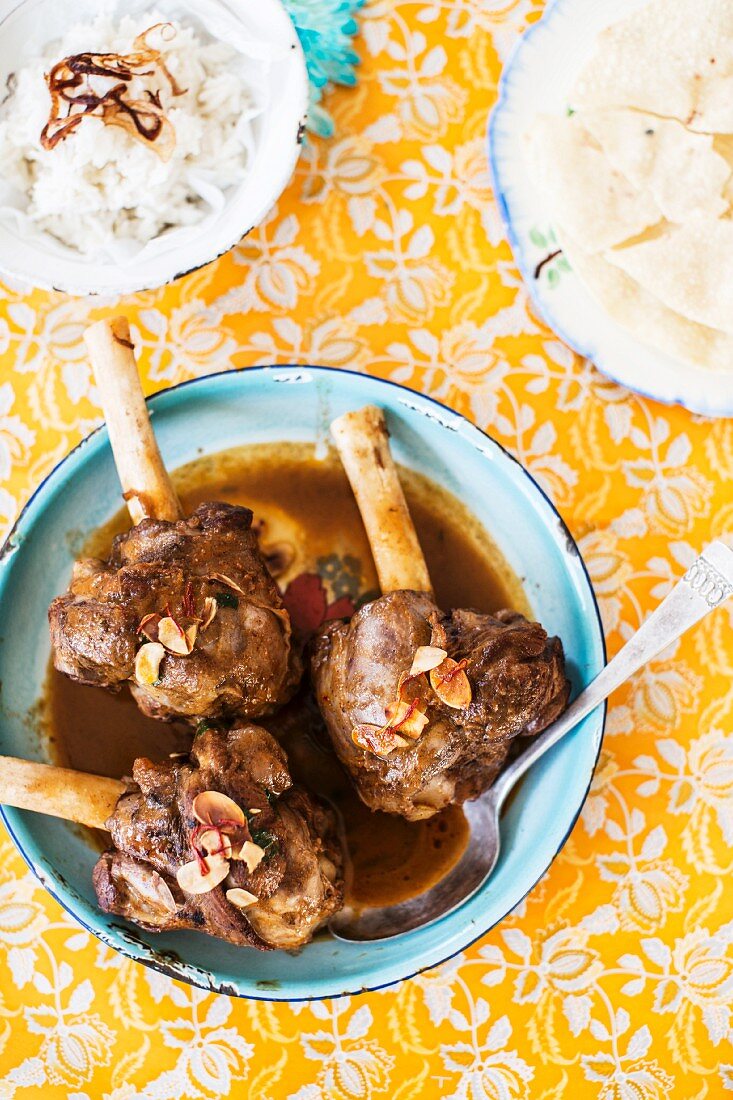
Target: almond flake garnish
<point>451,685</point>
<point>427,657</point>
<point>381,740</point>
<point>226,581</point>
<point>254,810</point>
<point>149,626</point>
<point>210,609</point>
<point>407,718</point>
<point>251,854</point>
<point>175,638</point>
<point>199,877</point>
<point>404,720</point>
<point>149,885</point>
<point>214,842</point>
<point>214,808</point>
<point>241,898</point>
<point>147,663</point>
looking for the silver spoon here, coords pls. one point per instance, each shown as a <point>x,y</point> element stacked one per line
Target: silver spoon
<point>706,584</point>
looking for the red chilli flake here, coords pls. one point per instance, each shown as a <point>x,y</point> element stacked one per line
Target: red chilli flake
<point>189,601</point>
<point>200,857</point>
<point>228,823</point>
<point>446,677</point>
<point>197,851</point>
<point>411,708</point>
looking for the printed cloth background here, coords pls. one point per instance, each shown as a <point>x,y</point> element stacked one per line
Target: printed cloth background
<point>614,978</point>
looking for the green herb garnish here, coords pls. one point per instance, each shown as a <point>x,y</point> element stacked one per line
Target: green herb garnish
<point>267,841</point>
<point>204,725</point>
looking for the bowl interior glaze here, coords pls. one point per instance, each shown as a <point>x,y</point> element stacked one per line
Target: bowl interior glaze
<point>297,403</point>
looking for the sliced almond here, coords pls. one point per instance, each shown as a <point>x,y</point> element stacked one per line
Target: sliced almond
<point>174,637</point>
<point>149,626</point>
<point>210,609</point>
<point>381,740</point>
<point>191,879</point>
<point>451,685</point>
<point>221,578</point>
<point>407,718</point>
<point>254,810</point>
<point>148,885</point>
<point>250,853</point>
<point>241,898</point>
<point>147,663</point>
<point>190,633</point>
<point>213,842</point>
<point>213,807</point>
<point>427,657</point>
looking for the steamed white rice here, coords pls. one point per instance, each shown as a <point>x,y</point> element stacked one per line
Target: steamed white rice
<point>102,184</point>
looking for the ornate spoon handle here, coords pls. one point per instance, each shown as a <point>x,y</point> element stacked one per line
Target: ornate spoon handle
<point>706,584</point>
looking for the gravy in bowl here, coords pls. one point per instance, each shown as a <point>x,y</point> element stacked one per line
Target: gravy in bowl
<point>311,525</point>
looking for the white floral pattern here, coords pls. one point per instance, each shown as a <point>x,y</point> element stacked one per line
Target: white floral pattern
<point>613,978</point>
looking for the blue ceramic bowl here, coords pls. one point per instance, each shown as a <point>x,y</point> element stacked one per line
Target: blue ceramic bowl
<point>297,403</point>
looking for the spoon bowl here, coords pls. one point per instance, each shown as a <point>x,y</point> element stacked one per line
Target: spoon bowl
<point>476,863</point>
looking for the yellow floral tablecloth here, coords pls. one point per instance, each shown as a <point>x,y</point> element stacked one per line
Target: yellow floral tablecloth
<point>614,978</point>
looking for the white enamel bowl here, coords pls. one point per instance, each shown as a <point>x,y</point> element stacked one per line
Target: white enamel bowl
<point>27,26</point>
<point>537,79</point>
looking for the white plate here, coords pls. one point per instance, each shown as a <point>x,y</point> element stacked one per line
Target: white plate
<point>538,78</point>
<point>25,28</point>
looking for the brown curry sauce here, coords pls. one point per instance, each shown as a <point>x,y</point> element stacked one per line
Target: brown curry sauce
<point>306,504</point>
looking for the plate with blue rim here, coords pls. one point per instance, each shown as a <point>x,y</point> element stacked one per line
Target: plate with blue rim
<point>271,404</point>
<point>537,79</point>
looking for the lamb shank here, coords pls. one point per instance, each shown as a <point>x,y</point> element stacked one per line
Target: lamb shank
<point>184,609</point>
<point>422,706</point>
<point>223,843</point>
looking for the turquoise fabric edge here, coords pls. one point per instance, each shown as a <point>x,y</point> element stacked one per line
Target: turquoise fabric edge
<point>326,29</point>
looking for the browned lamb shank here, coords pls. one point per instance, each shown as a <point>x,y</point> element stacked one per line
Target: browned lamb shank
<point>223,843</point>
<point>186,612</point>
<point>422,707</point>
<point>184,609</point>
